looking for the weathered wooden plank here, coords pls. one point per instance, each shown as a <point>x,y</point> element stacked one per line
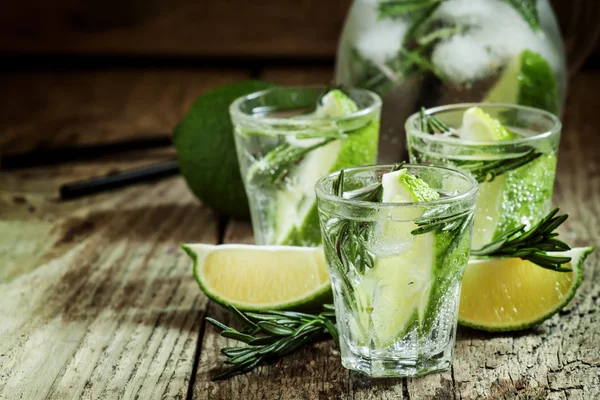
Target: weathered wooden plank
<point>264,28</point>
<point>307,75</point>
<point>217,28</point>
<point>96,298</point>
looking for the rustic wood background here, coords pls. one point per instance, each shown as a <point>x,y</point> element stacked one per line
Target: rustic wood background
<point>96,299</point>
<point>231,28</point>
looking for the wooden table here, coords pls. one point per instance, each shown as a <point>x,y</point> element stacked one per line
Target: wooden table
<point>97,301</point>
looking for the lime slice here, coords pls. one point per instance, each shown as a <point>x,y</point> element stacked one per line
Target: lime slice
<point>396,290</point>
<point>261,277</point>
<point>512,294</point>
<point>296,221</point>
<point>335,103</point>
<point>400,186</point>
<point>513,198</point>
<point>527,80</point>
<point>478,125</point>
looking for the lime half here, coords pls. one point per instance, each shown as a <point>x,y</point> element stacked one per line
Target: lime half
<point>512,294</point>
<point>261,277</point>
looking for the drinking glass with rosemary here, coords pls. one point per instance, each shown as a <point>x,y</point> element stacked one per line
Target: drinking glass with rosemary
<point>286,139</point>
<point>396,241</point>
<point>510,150</point>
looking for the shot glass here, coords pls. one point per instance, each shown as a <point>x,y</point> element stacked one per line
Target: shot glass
<point>396,269</point>
<point>516,176</point>
<point>284,145</point>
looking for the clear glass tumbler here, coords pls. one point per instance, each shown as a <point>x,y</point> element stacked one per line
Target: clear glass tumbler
<point>284,147</point>
<point>516,176</point>
<point>396,269</point>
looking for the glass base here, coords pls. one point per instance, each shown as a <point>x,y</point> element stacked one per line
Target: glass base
<point>381,368</point>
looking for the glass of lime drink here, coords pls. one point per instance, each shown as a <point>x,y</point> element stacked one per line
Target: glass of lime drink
<point>396,242</point>
<point>289,137</point>
<point>510,150</point>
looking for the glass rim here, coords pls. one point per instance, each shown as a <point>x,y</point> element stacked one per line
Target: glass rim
<point>412,127</point>
<point>235,111</point>
<point>322,194</point>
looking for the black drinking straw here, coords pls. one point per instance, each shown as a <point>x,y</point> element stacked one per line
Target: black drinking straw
<point>59,155</point>
<point>112,181</point>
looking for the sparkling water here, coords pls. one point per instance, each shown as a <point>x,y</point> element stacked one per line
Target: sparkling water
<point>521,196</point>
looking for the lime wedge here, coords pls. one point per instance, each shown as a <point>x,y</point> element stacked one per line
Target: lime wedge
<point>513,198</point>
<point>478,125</point>
<point>396,290</point>
<point>527,80</point>
<point>261,277</point>
<point>400,186</point>
<point>296,221</point>
<point>512,294</point>
<point>335,103</point>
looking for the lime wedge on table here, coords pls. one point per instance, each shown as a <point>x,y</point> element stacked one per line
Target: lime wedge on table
<point>295,217</point>
<point>509,199</point>
<point>527,80</point>
<point>395,293</point>
<point>261,277</point>
<point>505,294</point>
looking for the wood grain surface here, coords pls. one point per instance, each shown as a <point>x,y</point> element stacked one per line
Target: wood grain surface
<point>97,300</point>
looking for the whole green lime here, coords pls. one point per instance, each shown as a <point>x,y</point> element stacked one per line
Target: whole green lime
<point>206,149</point>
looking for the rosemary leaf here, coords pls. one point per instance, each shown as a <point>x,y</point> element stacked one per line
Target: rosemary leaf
<point>216,323</point>
<point>242,357</point>
<point>233,334</point>
<point>254,328</point>
<point>275,329</point>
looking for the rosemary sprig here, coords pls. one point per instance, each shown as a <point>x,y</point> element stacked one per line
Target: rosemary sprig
<point>270,335</point>
<point>486,171</point>
<point>276,164</point>
<point>532,244</point>
<point>430,124</point>
<point>482,171</point>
